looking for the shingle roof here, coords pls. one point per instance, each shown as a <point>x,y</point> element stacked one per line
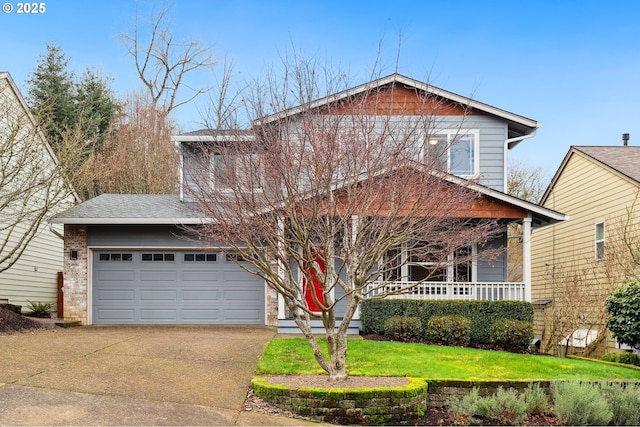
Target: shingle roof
<point>624,159</point>
<point>131,209</point>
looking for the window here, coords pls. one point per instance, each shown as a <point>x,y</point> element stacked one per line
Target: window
<point>115,256</point>
<point>200,257</point>
<point>424,263</point>
<point>599,241</point>
<point>228,171</point>
<point>454,152</point>
<point>158,257</point>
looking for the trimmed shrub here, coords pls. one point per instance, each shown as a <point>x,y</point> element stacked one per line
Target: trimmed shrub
<point>482,314</point>
<point>626,358</point>
<point>512,334</point>
<point>403,328</point>
<point>580,404</point>
<point>449,330</point>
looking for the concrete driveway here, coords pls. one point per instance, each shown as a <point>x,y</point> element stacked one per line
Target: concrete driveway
<point>131,376</point>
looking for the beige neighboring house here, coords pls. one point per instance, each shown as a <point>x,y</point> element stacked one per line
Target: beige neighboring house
<point>34,276</point>
<point>576,263</point>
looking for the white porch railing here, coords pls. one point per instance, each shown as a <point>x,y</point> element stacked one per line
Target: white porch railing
<point>490,291</point>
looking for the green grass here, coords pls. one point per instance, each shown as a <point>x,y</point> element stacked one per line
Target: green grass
<point>385,358</point>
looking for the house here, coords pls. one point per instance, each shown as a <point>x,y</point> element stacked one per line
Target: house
<point>128,259</point>
<point>578,262</point>
<point>31,257</point>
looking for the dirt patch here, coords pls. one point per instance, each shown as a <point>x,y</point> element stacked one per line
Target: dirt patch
<point>322,381</point>
<point>11,323</point>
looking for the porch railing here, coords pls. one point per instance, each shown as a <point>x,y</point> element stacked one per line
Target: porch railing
<point>490,291</point>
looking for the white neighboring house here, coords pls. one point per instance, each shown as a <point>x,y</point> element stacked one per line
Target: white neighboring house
<point>34,276</point>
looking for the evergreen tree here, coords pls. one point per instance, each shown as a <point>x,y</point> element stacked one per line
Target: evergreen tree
<point>51,93</point>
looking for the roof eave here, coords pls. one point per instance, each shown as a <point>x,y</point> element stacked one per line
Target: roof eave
<point>130,221</point>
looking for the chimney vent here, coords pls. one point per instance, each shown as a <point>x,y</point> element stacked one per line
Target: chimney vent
<point>625,139</point>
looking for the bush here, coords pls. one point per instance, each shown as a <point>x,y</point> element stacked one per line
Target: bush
<point>512,334</point>
<point>625,403</point>
<point>577,403</point>
<point>40,309</point>
<point>449,330</point>
<point>507,407</point>
<point>403,328</point>
<point>623,306</point>
<point>535,399</point>
<point>482,314</point>
<point>626,358</point>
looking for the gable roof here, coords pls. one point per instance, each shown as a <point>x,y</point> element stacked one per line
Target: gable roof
<point>619,159</point>
<point>518,125</point>
<point>131,209</point>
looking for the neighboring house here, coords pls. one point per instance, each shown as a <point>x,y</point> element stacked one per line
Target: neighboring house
<point>34,277</point>
<point>579,261</point>
<point>128,261</point>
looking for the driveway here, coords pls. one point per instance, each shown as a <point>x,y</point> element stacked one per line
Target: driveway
<point>131,375</point>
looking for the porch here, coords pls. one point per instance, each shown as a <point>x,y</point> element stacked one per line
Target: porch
<point>488,291</point>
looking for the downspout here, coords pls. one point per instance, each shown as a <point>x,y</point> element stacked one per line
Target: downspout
<point>54,231</point>
<point>514,141</point>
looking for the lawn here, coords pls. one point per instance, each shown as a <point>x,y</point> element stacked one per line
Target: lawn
<point>386,358</point>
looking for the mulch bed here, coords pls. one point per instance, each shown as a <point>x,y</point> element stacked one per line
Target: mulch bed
<point>11,323</point>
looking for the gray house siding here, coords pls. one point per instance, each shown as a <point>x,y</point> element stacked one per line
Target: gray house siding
<point>494,270</point>
<point>140,236</point>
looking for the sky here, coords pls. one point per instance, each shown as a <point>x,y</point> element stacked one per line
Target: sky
<point>573,66</point>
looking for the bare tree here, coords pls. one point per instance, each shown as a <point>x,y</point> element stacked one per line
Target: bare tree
<point>325,200</point>
<point>164,64</point>
<point>139,157</point>
<point>33,182</point>
<point>527,184</point>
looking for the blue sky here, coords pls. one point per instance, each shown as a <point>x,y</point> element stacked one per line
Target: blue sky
<point>574,66</point>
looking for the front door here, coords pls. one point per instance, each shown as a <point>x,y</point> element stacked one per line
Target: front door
<point>313,292</point>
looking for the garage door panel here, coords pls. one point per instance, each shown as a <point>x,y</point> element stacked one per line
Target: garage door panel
<point>200,295</point>
<point>158,295</point>
<point>119,295</point>
<point>173,287</point>
<point>117,276</point>
<point>116,315</point>
<point>209,315</point>
<point>199,276</point>
<point>158,276</point>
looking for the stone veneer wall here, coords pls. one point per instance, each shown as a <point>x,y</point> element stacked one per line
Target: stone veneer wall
<point>271,297</point>
<point>75,273</point>
<point>403,405</point>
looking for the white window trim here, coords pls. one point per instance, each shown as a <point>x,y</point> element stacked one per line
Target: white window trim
<point>451,134</point>
<point>596,241</point>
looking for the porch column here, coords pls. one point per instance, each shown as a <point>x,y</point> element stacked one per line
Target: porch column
<point>281,273</point>
<point>526,257</point>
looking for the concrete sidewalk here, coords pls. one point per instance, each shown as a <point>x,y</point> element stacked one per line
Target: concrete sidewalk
<point>132,375</point>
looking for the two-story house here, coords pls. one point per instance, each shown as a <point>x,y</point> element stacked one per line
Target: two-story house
<point>577,263</point>
<point>129,261</point>
<point>30,190</point>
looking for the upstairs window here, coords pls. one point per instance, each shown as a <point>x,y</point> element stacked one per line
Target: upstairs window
<point>233,171</point>
<point>599,241</point>
<point>455,152</point>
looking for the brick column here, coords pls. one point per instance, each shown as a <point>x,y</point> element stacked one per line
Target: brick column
<point>75,273</point>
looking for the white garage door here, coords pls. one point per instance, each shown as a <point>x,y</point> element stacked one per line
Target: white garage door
<point>174,287</point>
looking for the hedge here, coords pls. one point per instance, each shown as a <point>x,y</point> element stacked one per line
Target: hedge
<point>481,314</point>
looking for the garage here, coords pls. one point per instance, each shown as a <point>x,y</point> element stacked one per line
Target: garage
<point>174,287</point>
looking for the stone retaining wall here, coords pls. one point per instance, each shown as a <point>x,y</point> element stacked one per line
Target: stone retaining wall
<point>365,406</point>
<point>440,392</point>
